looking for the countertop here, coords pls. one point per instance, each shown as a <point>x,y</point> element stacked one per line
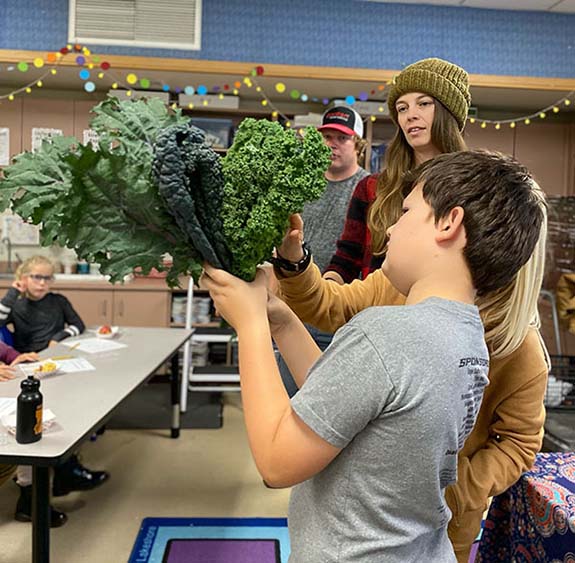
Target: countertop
<point>96,282</point>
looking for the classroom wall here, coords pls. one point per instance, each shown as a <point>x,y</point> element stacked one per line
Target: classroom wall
<point>347,33</point>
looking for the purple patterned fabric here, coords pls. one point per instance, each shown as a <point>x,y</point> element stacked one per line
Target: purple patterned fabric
<point>222,551</point>
<point>534,520</point>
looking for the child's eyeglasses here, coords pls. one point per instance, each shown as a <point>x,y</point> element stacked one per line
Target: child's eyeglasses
<point>40,277</point>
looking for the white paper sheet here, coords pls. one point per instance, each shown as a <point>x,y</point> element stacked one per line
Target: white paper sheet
<point>90,136</point>
<point>8,419</point>
<point>41,133</point>
<point>7,406</point>
<point>94,345</point>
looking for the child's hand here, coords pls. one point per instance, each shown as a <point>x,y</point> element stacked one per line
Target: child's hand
<point>279,313</point>
<point>28,357</point>
<point>6,373</point>
<point>239,302</point>
<point>21,285</point>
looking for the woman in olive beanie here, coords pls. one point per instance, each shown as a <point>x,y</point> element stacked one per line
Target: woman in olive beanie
<point>442,121</point>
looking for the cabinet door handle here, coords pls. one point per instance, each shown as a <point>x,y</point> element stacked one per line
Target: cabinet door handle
<point>104,307</point>
<point>121,309</point>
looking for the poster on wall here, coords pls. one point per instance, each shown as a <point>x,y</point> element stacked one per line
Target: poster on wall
<point>4,146</point>
<point>90,136</point>
<point>20,232</point>
<point>41,133</point>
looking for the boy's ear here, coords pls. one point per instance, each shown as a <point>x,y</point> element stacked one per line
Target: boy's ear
<point>450,226</point>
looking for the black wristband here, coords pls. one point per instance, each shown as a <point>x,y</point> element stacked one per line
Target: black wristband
<point>284,264</point>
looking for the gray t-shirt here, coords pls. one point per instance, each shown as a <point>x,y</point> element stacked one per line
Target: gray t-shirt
<point>323,219</point>
<point>399,389</point>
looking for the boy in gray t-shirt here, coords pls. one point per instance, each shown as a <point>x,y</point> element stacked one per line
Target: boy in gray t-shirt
<point>372,437</point>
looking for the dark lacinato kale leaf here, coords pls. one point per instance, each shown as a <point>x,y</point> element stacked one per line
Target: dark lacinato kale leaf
<point>190,180</point>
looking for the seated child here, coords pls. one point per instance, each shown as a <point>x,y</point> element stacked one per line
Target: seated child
<point>372,437</point>
<point>41,319</point>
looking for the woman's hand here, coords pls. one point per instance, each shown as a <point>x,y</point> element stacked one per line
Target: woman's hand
<point>27,357</point>
<point>239,302</point>
<point>291,246</point>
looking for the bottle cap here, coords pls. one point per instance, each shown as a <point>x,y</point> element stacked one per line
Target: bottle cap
<point>31,383</point>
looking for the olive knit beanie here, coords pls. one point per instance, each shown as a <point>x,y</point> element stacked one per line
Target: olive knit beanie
<point>441,79</point>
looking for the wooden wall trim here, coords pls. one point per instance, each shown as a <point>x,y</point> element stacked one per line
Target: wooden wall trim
<point>238,69</point>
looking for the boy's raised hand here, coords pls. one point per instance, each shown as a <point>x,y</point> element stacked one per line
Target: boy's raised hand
<point>239,302</point>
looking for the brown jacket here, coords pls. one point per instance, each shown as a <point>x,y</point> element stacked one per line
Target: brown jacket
<point>509,427</point>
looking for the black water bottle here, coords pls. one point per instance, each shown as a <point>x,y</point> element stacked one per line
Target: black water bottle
<point>29,411</point>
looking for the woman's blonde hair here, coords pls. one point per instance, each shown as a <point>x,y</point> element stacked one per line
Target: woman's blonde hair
<point>510,312</point>
<point>28,264</point>
<point>399,159</point>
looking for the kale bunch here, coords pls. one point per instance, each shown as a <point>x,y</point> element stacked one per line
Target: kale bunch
<point>151,186</point>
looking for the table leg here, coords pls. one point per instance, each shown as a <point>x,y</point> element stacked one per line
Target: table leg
<point>175,381</point>
<point>40,514</point>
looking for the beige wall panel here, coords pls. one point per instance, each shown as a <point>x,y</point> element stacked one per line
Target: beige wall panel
<point>11,117</point>
<point>544,148</point>
<point>53,114</point>
<point>82,117</point>
<point>501,140</point>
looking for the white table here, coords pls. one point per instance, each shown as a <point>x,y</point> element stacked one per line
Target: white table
<point>82,402</point>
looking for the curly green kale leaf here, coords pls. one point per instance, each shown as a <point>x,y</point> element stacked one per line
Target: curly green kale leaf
<point>269,174</point>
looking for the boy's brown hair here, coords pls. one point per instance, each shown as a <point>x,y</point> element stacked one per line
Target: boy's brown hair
<point>503,210</point>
